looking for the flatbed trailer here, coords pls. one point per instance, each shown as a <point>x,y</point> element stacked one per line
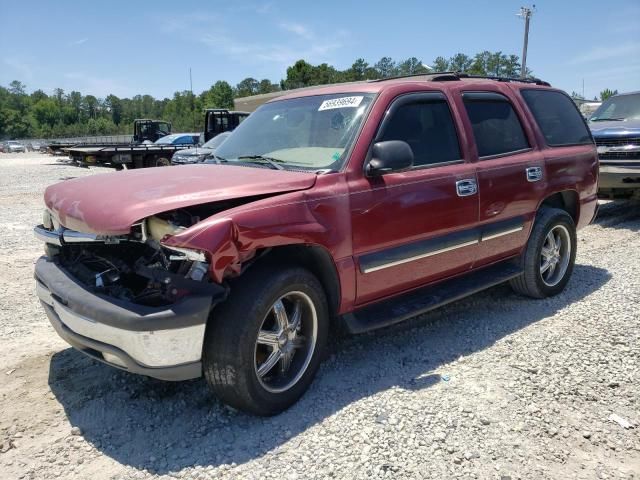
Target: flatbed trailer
<point>144,130</point>
<point>145,155</point>
<point>58,148</point>
<point>124,156</point>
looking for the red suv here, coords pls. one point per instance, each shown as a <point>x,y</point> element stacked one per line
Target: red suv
<point>357,205</point>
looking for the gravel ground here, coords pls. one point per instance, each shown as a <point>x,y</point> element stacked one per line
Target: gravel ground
<point>494,386</point>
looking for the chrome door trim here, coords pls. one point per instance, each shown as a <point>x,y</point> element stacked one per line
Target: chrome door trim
<point>503,233</point>
<point>418,257</point>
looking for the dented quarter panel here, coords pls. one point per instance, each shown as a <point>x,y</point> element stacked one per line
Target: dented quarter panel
<point>109,204</point>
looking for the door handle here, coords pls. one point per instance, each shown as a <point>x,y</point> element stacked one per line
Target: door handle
<point>466,187</point>
<point>534,174</point>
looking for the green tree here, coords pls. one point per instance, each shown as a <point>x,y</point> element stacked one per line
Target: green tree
<point>360,70</point>
<point>46,112</point>
<point>59,115</point>
<point>325,74</point>
<point>460,63</point>
<point>299,75</point>
<point>606,93</point>
<point>220,95</point>
<point>411,66</point>
<point>59,94</point>
<point>386,67</point>
<point>38,95</point>
<point>247,87</point>
<point>266,86</point>
<point>114,107</point>
<point>90,106</point>
<point>512,66</point>
<point>440,64</point>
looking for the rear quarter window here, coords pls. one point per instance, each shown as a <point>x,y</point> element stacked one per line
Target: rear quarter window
<point>558,118</point>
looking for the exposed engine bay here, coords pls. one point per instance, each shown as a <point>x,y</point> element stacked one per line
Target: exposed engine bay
<point>136,267</point>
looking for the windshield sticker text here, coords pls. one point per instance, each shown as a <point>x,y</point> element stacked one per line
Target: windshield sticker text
<point>343,102</point>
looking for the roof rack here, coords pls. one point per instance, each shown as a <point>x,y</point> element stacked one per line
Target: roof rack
<point>453,76</point>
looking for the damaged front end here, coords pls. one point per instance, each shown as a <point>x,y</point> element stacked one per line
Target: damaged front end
<point>128,300</point>
<point>134,267</point>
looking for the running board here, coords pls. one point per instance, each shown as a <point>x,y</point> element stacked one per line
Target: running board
<point>417,302</point>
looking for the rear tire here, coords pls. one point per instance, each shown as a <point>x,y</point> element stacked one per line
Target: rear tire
<point>549,256</point>
<point>264,344</point>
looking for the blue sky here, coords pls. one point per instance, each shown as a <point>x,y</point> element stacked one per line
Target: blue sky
<point>130,47</point>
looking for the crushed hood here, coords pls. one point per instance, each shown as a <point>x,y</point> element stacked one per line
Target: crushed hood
<point>108,204</point>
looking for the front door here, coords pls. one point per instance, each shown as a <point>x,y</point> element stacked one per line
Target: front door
<point>414,227</point>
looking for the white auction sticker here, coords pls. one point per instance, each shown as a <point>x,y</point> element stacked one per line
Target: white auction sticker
<point>343,102</point>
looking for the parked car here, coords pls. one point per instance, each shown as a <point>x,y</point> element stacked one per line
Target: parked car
<point>200,154</point>
<point>356,205</point>
<point>12,146</point>
<point>179,139</point>
<point>615,126</point>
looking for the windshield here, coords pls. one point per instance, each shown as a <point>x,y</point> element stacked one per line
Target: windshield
<point>309,132</point>
<point>216,141</point>
<point>621,107</point>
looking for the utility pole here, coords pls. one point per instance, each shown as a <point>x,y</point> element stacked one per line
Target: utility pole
<point>526,13</point>
<point>193,100</point>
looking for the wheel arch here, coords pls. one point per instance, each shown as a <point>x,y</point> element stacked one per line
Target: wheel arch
<point>317,260</point>
<point>567,200</point>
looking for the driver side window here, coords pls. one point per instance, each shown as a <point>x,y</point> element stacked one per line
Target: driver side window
<point>429,130</point>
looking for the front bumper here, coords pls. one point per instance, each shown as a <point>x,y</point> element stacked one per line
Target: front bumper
<point>161,342</point>
<point>619,177</point>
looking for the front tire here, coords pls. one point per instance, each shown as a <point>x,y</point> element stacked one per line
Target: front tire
<point>549,256</point>
<point>264,345</point>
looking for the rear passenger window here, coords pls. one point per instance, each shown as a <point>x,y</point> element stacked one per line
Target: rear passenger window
<point>557,117</point>
<point>428,129</point>
<point>496,127</point>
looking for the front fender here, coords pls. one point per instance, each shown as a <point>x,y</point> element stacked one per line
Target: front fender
<point>232,237</point>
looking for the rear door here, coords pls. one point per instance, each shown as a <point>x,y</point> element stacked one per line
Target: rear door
<point>511,173</point>
<point>417,226</point>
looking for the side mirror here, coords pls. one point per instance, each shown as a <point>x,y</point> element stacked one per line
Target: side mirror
<point>389,156</point>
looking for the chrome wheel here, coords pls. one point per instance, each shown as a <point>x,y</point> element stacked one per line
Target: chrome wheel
<point>555,255</point>
<point>286,342</point>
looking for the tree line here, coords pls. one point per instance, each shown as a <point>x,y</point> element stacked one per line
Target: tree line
<point>62,114</point>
